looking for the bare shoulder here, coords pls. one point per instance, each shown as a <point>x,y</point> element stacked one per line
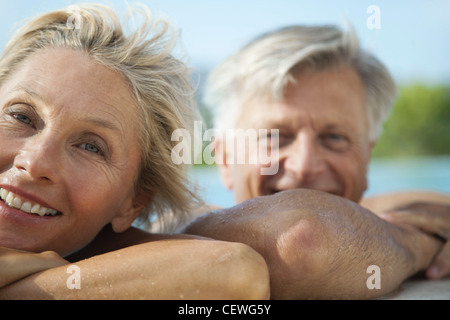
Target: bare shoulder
<point>108,240</point>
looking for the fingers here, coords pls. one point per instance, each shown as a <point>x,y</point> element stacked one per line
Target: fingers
<point>51,259</point>
<point>433,219</point>
<point>17,264</point>
<point>431,222</point>
<point>441,264</point>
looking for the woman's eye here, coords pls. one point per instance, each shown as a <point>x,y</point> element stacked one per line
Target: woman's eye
<point>91,148</point>
<point>23,119</point>
<point>93,145</point>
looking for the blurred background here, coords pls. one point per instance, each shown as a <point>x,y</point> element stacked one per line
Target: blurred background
<point>412,38</point>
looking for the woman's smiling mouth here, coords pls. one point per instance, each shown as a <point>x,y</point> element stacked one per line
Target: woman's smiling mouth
<point>14,201</point>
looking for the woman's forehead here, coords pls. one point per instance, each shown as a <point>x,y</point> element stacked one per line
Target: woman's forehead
<point>71,80</point>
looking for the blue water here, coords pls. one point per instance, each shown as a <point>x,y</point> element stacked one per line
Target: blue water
<point>385,175</point>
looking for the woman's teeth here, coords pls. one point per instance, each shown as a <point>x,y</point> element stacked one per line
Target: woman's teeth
<point>15,201</point>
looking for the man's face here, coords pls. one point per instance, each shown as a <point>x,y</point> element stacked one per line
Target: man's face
<point>323,138</point>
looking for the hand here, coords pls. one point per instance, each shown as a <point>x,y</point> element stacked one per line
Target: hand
<point>433,219</point>
<point>16,264</point>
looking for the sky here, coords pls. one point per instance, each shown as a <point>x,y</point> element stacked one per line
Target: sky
<point>411,37</point>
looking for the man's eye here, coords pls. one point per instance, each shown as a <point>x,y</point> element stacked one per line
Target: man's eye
<point>23,119</point>
<point>278,139</point>
<point>335,137</point>
<point>336,142</point>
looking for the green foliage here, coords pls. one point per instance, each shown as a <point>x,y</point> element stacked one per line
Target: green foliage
<point>419,123</point>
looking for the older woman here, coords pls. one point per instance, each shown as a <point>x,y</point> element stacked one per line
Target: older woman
<point>86,118</point>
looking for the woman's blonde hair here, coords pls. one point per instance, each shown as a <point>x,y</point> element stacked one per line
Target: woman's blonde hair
<point>160,82</point>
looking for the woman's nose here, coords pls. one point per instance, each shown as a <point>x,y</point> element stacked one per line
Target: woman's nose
<point>38,159</point>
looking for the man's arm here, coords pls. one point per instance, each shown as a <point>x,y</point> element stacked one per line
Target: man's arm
<point>427,211</point>
<point>320,246</point>
<point>181,267</point>
<point>390,201</point>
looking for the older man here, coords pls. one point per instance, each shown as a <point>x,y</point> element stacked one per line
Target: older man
<point>327,99</point>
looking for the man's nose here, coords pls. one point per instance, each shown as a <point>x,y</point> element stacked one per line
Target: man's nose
<point>38,159</point>
<point>305,160</point>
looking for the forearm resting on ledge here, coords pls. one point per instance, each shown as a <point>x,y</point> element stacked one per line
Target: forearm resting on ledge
<point>180,268</point>
<point>319,246</point>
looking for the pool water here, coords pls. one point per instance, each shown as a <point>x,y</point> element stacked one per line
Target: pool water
<point>385,175</point>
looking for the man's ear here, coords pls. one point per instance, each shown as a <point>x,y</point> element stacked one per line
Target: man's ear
<point>130,211</point>
<point>222,162</point>
<point>371,146</point>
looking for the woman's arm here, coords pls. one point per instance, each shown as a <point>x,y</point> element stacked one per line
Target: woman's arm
<point>181,267</point>
<point>321,246</point>
<point>16,264</point>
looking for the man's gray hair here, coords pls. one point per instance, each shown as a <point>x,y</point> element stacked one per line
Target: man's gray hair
<point>263,68</point>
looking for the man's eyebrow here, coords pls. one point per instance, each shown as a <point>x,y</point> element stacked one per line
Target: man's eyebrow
<point>274,122</point>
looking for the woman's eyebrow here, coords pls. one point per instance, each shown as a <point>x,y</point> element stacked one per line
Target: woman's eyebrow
<point>27,90</point>
<point>99,122</point>
<point>21,90</point>
<point>96,121</point>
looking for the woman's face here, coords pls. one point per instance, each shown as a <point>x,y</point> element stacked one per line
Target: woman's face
<point>69,154</point>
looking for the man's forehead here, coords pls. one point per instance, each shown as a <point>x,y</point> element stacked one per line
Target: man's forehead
<point>282,114</point>
<point>326,97</point>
